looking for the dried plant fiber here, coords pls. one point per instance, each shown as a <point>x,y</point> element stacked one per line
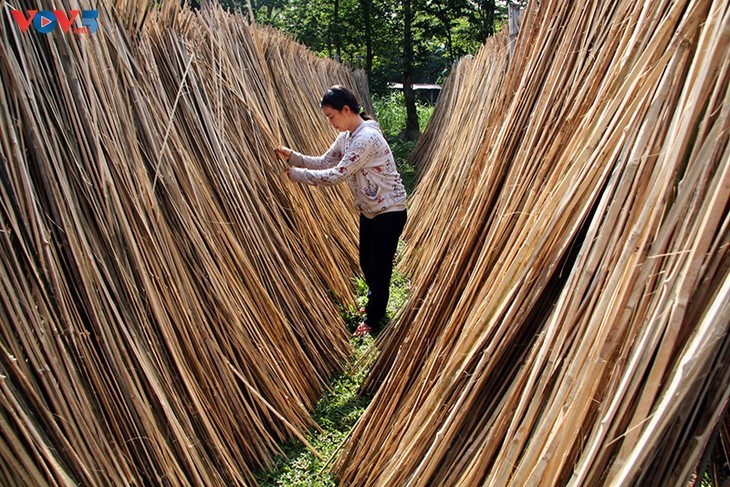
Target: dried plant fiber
<point>166,294</point>
<point>568,244</point>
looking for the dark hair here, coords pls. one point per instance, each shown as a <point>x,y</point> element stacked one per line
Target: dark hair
<point>338,97</point>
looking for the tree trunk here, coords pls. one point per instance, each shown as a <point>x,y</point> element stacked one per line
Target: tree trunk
<point>411,131</point>
<point>366,16</point>
<point>335,29</point>
<point>449,43</point>
<point>488,7</point>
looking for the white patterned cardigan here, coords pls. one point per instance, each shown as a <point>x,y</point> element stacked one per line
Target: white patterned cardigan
<point>363,159</point>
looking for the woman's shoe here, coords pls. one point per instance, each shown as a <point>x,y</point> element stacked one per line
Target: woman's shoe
<point>362,330</point>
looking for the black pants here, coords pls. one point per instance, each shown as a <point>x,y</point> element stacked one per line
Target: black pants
<point>378,244</point>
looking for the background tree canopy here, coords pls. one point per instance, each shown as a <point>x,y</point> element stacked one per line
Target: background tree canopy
<point>369,34</point>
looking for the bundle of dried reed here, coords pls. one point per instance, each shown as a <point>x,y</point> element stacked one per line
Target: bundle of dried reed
<point>164,316</point>
<point>569,317</point>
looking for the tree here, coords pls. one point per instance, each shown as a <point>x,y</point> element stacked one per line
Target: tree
<point>367,8</point>
<point>411,131</point>
<point>335,29</point>
<point>445,15</point>
<point>484,17</point>
<point>267,9</point>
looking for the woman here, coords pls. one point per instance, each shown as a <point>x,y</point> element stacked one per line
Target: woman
<point>361,157</point>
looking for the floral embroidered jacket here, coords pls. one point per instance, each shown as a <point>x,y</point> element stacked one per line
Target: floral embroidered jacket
<point>362,159</point>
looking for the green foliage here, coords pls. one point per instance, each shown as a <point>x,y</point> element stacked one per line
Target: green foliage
<point>390,111</point>
<point>401,150</point>
<point>443,31</point>
<point>707,480</point>
<point>335,414</point>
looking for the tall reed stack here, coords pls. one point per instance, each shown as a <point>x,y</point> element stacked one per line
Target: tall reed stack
<point>568,242</point>
<point>165,313</point>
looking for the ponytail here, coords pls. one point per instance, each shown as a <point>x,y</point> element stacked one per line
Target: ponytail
<point>363,114</point>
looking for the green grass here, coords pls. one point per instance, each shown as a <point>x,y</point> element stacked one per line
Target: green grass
<point>390,111</point>
<point>401,150</point>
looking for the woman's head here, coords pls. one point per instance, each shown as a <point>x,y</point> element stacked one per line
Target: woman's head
<point>338,97</point>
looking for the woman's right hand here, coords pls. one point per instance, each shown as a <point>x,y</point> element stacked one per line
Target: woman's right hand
<point>283,152</point>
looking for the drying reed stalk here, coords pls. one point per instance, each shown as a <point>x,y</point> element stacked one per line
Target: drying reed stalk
<point>568,243</point>
<point>164,315</point>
